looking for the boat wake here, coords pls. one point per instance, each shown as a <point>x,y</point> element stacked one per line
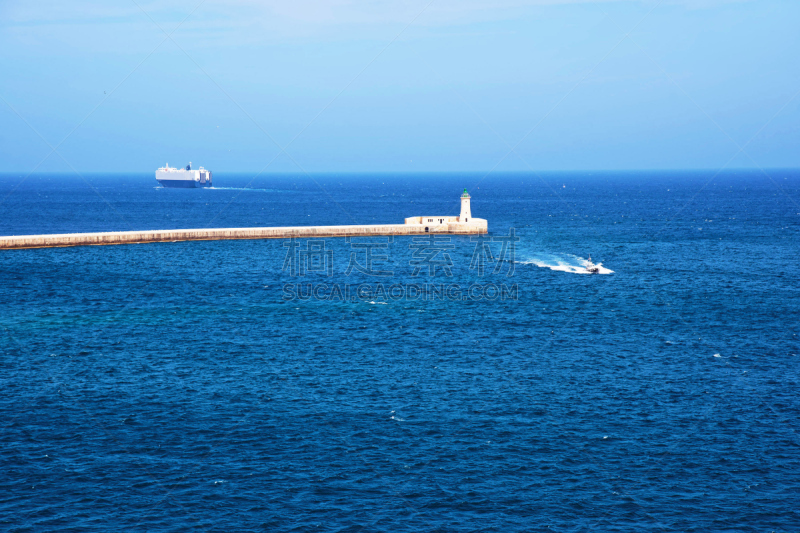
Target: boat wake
<point>571,264</point>
<point>240,189</point>
<point>223,189</point>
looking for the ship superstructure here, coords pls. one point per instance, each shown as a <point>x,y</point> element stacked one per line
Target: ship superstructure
<point>183,177</point>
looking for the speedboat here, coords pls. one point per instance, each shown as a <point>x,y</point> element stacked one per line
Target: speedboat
<point>591,268</point>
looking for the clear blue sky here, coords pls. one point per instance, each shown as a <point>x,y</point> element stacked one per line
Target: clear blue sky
<point>451,85</point>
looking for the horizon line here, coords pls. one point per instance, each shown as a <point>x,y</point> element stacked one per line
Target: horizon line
<point>372,172</point>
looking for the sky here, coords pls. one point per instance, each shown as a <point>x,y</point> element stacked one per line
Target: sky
<point>398,86</point>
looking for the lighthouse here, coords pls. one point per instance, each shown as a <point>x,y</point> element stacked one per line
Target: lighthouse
<point>465,212</point>
<point>464,223</point>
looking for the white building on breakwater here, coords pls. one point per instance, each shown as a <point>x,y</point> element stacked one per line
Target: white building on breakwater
<point>463,223</point>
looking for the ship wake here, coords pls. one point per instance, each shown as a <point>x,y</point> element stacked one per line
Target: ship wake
<point>571,264</point>
<point>249,189</point>
<point>241,189</point>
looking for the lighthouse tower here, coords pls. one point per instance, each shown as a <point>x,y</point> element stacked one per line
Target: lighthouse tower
<point>466,214</point>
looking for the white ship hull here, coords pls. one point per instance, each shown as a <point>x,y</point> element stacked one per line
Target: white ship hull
<point>183,178</point>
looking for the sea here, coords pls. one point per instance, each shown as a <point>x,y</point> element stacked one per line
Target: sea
<point>430,383</point>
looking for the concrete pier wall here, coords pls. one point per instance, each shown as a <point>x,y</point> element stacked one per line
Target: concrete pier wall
<point>136,237</point>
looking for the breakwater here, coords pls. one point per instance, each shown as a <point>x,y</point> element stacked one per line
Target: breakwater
<point>215,234</point>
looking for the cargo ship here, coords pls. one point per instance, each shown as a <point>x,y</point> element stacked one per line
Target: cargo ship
<point>183,177</point>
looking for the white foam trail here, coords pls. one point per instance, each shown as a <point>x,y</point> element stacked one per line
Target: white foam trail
<point>239,189</point>
<point>571,264</point>
<point>219,189</point>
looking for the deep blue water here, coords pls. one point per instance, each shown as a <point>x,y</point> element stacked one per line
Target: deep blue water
<point>181,386</point>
